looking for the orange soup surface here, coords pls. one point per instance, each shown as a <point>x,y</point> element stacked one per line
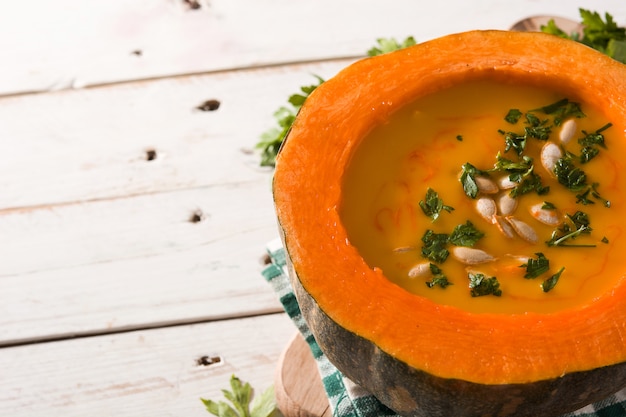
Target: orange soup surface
<point>419,199</point>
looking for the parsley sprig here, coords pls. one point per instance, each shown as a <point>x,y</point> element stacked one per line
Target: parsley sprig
<point>577,224</point>
<point>241,404</point>
<point>385,45</point>
<point>603,35</point>
<point>272,139</point>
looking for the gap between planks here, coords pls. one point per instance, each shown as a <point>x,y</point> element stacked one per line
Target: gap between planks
<point>238,69</point>
<point>134,328</point>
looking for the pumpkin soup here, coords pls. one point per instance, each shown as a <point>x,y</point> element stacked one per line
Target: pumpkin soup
<point>492,197</point>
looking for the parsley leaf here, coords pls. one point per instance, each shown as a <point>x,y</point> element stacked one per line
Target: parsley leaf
<point>241,403</point>
<point>577,224</point>
<point>590,143</point>
<point>465,235</point>
<point>480,285</point>
<point>569,174</point>
<point>439,279</point>
<point>537,128</point>
<point>521,172</point>
<point>272,139</point>
<point>603,35</point>
<point>562,109</point>
<point>432,205</point>
<point>434,246</point>
<point>536,267</point>
<point>468,179</point>
<point>513,116</point>
<point>386,45</point>
<point>551,282</point>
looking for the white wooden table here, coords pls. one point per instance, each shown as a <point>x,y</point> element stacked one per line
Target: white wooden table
<point>132,224</point>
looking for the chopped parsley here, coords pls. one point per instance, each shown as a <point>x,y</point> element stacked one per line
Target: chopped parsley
<point>439,279</point>
<point>468,178</point>
<point>434,246</point>
<point>432,205</point>
<point>569,175</point>
<point>536,267</point>
<point>465,235</point>
<point>523,173</point>
<point>481,285</point>
<point>591,144</point>
<point>562,110</point>
<point>577,224</point>
<point>551,282</point>
<point>513,116</point>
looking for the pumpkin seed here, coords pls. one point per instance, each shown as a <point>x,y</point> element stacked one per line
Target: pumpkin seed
<point>545,216</point>
<point>506,204</point>
<point>550,153</point>
<point>471,256</point>
<point>486,185</point>
<point>567,131</point>
<point>523,229</point>
<point>505,183</point>
<point>420,270</point>
<point>486,207</point>
<point>504,227</point>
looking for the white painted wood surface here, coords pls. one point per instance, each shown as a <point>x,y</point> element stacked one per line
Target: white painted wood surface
<point>108,289</point>
<point>142,373</point>
<point>72,43</point>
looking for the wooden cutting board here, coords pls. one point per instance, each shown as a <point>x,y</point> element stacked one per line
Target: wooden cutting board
<point>298,386</point>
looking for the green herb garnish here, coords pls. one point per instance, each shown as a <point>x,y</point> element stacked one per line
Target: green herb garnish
<point>536,267</point>
<point>513,116</point>
<point>241,402</point>
<point>550,283</point>
<point>603,35</point>
<point>523,173</point>
<point>562,110</point>
<point>434,246</point>
<point>272,139</point>
<point>577,224</point>
<point>439,279</point>
<point>569,175</point>
<point>468,179</point>
<point>432,205</point>
<point>465,235</point>
<point>386,45</point>
<point>538,129</point>
<point>480,285</point>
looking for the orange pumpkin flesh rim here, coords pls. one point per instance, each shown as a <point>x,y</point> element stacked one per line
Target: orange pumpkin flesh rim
<point>439,340</point>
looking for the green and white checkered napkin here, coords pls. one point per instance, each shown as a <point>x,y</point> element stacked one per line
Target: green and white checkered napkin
<point>350,400</point>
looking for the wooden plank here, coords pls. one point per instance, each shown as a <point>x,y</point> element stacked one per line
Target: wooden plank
<point>47,46</point>
<point>91,144</point>
<point>135,262</point>
<point>143,373</point>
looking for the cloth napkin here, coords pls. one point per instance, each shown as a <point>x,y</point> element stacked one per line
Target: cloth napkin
<point>346,398</point>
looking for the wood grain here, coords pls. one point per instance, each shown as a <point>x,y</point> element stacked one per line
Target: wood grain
<point>143,373</point>
<point>69,44</point>
<point>97,238</point>
<point>298,385</point>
